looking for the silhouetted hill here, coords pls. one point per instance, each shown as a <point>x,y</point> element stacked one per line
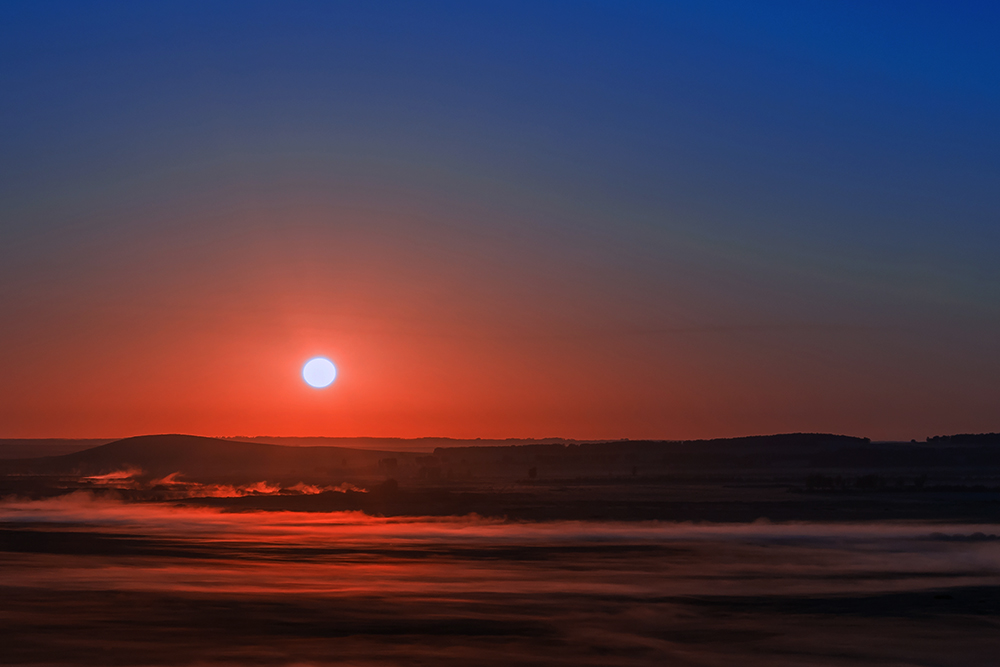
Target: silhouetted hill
<point>417,445</point>
<point>796,476</point>
<point>678,455</point>
<point>966,439</point>
<point>791,457</point>
<point>209,459</point>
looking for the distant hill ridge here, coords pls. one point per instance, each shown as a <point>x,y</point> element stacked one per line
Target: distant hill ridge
<point>214,459</point>
<point>197,456</point>
<point>217,460</point>
<point>966,439</point>
<point>781,440</point>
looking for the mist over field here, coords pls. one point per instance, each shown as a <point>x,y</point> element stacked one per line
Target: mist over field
<point>92,580</point>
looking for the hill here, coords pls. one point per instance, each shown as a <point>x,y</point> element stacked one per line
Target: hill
<point>211,460</point>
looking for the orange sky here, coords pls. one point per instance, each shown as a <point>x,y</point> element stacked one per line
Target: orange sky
<point>476,337</point>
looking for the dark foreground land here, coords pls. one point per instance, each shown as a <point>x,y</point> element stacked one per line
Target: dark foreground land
<point>786,550</point>
<point>793,477</point>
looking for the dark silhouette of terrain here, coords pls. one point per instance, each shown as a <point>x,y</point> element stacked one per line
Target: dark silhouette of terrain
<point>423,445</point>
<point>797,476</point>
<point>966,439</point>
<point>208,460</point>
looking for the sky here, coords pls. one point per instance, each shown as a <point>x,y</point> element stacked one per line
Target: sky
<point>510,219</point>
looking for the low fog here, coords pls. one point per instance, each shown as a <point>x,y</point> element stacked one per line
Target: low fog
<point>276,588</point>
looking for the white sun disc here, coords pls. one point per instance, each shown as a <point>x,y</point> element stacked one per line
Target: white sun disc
<point>319,372</point>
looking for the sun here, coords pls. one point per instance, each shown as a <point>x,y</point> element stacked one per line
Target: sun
<point>319,372</point>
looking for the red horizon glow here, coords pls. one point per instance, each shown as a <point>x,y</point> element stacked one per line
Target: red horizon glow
<point>456,340</point>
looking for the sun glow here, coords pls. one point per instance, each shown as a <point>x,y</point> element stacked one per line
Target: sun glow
<point>319,372</point>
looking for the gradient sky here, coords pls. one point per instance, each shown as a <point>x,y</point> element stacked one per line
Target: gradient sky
<point>578,219</point>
